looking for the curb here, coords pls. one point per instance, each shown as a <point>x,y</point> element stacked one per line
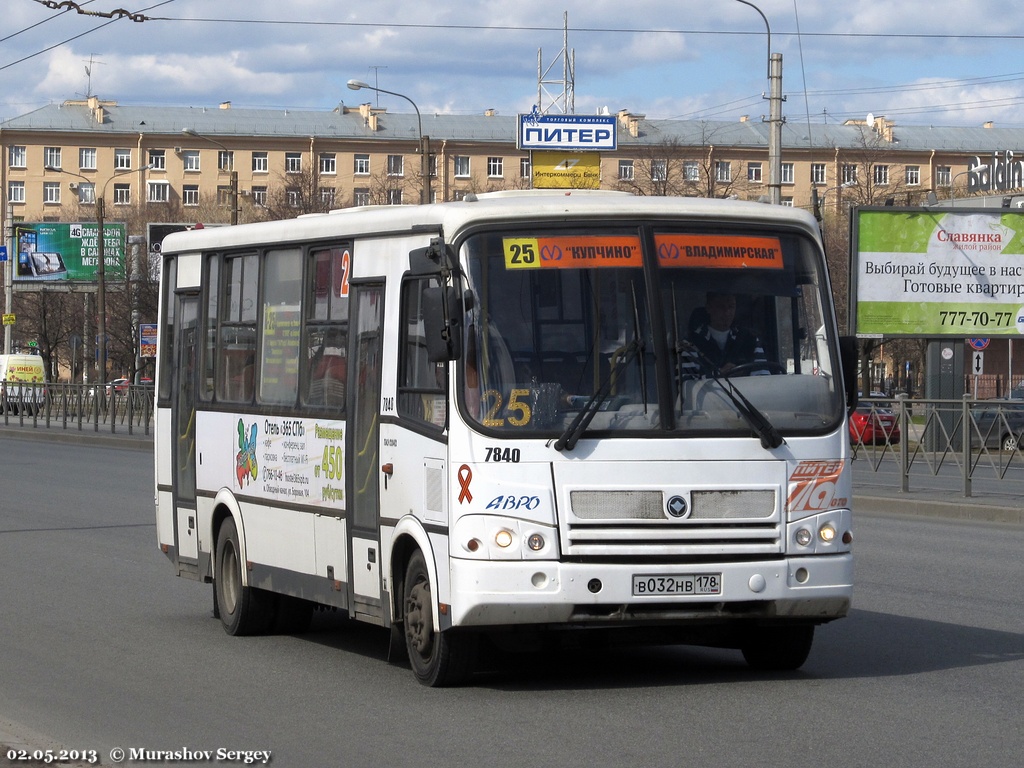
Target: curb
<point>971,511</point>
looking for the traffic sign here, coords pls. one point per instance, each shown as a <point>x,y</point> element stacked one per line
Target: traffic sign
<point>3,253</point>
<point>978,363</point>
<point>978,344</point>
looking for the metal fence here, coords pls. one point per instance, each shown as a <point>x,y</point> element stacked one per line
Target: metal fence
<point>981,439</point>
<point>900,437</point>
<point>126,408</point>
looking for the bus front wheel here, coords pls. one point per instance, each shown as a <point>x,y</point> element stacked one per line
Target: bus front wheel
<point>438,658</point>
<point>243,610</point>
<point>778,649</point>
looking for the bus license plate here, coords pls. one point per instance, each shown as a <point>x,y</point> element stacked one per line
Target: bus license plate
<point>688,584</point>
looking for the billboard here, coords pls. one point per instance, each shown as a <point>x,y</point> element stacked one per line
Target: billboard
<point>57,252</point>
<point>566,132</point>
<point>938,272</point>
<point>566,170</point>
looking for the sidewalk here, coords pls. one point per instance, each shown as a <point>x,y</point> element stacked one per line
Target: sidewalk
<point>869,497</point>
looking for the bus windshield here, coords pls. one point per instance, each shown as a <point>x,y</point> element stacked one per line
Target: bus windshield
<point>647,328</point>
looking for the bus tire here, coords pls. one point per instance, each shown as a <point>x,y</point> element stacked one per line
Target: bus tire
<point>778,649</point>
<point>438,659</point>
<point>243,610</point>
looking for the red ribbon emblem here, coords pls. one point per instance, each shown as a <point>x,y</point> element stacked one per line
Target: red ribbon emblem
<point>465,476</point>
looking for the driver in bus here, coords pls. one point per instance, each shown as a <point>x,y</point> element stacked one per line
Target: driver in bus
<point>722,345</point>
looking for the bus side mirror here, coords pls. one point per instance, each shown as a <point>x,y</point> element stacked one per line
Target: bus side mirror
<point>435,259</point>
<point>442,323</point>
<point>848,355</point>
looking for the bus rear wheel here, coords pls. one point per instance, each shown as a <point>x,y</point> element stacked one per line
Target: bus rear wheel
<point>778,649</point>
<point>243,610</point>
<point>438,659</point>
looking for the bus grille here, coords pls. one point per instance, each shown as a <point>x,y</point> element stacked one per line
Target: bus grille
<point>719,524</point>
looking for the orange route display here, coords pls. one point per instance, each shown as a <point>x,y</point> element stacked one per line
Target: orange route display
<point>572,252</point>
<point>718,251</point>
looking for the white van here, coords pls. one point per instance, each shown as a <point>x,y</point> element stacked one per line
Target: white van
<point>22,383</point>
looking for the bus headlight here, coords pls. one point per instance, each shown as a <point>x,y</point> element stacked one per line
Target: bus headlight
<point>803,537</point>
<point>827,533</point>
<point>490,537</point>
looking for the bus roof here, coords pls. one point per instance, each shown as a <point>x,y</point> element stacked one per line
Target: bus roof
<point>556,205</point>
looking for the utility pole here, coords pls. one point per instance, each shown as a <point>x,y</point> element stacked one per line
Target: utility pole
<point>12,254</point>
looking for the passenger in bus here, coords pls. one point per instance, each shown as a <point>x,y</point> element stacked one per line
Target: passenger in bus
<point>718,344</point>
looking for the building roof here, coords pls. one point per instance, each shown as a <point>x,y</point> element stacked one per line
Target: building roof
<point>347,122</point>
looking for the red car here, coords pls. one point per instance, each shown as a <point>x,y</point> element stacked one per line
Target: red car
<point>873,425</point>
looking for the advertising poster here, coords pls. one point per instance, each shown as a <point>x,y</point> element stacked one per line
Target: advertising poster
<point>68,252</point>
<point>935,272</point>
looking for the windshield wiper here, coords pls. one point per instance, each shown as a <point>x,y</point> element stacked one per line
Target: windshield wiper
<point>763,428</point>
<point>586,415</point>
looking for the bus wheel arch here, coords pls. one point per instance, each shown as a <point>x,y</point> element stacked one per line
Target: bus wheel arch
<point>242,609</point>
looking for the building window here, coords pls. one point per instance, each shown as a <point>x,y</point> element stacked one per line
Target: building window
<point>293,162</point>
<point>259,195</point>
<point>788,174</point>
<point>122,194</point>
<point>525,169</point>
<point>691,170</point>
<point>51,192</point>
<point>818,173</point>
<point>17,157</point>
<point>190,194</point>
<point>754,173</point>
<point>158,192</point>
<point>225,160</point>
<point>87,159</point>
<point>849,174</point>
<point>495,167</point>
<point>394,197</point>
<point>86,193</point>
<point>659,170</point>
<point>158,159</point>
<point>224,196</point>
<point>51,157</point>
<point>396,165</point>
<point>786,201</point>
<point>462,166</point>
<point>913,175</point>
<point>361,165</point>
<point>625,170</point>
<point>122,159</point>
<point>190,160</point>
<point>327,196</point>
<point>328,163</point>
<point>943,175</point>
<point>361,196</point>
<point>723,170</point>
<point>293,197</point>
<point>16,192</point>
<point>881,175</point>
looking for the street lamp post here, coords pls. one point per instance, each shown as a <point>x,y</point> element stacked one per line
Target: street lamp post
<point>101,267</point>
<point>356,85</point>
<point>775,100</point>
<point>233,190</point>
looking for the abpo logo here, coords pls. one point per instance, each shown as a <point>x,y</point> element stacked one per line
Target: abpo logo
<point>1020,320</point>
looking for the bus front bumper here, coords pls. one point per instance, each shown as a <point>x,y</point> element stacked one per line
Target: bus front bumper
<point>806,589</point>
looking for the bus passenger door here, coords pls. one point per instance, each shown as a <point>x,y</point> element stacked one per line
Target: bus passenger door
<point>186,340</point>
<point>364,474</point>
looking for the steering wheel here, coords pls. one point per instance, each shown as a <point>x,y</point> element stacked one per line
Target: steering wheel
<point>745,369</point>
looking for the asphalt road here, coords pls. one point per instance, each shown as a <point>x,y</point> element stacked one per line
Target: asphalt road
<point>103,648</point>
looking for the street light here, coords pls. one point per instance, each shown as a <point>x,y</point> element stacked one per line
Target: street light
<point>233,190</point>
<point>952,202</point>
<point>101,270</point>
<point>356,85</point>
<point>774,114</point>
<point>818,201</point>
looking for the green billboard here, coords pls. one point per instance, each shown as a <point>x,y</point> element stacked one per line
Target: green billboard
<point>68,252</point>
<point>938,272</point>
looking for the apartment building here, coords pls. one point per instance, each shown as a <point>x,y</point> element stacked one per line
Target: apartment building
<point>247,164</point>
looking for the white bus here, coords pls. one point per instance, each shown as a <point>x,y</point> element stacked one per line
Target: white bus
<point>488,418</point>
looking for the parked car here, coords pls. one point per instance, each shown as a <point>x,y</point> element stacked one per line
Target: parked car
<point>873,425</point>
<point>1000,423</point>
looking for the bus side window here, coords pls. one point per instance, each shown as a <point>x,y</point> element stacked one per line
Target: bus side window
<point>328,371</point>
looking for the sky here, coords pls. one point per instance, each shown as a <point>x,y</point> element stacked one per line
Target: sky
<point>916,62</point>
